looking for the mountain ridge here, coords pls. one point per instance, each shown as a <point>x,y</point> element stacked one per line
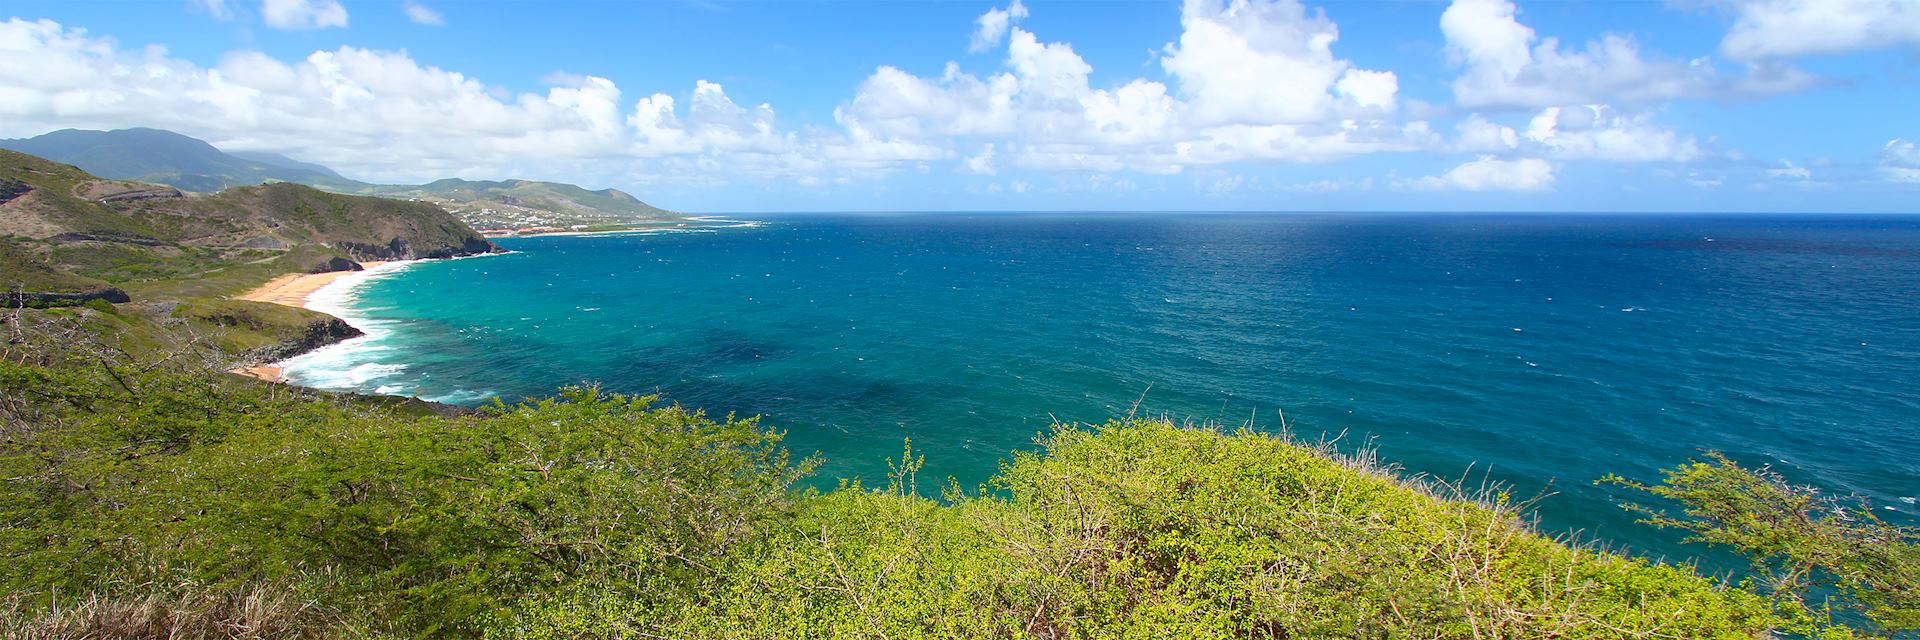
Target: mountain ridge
<point>170,158</point>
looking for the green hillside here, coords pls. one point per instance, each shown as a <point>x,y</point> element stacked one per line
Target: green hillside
<point>165,157</point>
<point>72,231</point>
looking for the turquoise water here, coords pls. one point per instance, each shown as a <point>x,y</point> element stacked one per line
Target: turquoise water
<point>1543,352</point>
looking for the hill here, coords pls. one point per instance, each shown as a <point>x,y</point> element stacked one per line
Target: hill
<point>165,157</point>
<point>71,231</point>
<point>154,155</point>
<point>513,204</point>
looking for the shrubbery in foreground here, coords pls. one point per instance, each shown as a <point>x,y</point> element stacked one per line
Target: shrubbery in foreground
<point>145,499</point>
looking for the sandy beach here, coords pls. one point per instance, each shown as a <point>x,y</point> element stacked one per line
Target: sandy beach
<point>292,290</point>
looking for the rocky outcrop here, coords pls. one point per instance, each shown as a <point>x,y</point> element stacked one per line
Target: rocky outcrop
<point>334,264</point>
<point>16,299</point>
<point>10,189</point>
<point>400,249</point>
<point>318,334</point>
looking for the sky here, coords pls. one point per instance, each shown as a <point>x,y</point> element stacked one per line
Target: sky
<point>1214,105</point>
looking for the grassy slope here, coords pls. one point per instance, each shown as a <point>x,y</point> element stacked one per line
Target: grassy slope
<point>21,267</point>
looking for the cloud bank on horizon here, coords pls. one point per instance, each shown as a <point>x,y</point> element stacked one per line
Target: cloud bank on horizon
<point>1253,99</point>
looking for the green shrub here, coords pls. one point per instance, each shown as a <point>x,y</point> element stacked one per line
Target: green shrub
<point>1148,530</point>
<point>1829,562</point>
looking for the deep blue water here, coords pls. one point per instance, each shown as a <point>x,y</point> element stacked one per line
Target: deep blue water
<point>1544,351</point>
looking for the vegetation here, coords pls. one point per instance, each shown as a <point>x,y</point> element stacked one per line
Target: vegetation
<point>1832,567</point>
<point>145,492</point>
<point>153,492</point>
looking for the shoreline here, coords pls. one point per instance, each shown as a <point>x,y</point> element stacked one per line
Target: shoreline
<point>691,225</point>
<point>300,290</point>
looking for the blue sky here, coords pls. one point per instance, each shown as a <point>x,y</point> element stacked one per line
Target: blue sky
<point>1482,105</point>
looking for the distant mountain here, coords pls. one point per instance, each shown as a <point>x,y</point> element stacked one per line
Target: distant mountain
<point>154,155</point>
<point>284,162</point>
<point>165,157</point>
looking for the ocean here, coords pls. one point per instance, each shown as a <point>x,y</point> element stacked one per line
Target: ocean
<point>1539,351</point>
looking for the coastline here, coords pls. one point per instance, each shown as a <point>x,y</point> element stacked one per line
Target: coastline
<point>699,224</point>
<point>315,292</point>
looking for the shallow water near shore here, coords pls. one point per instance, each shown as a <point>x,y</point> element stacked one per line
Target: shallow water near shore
<point>1544,352</point>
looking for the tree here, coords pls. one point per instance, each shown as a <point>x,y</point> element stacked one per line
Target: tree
<point>1832,566</point>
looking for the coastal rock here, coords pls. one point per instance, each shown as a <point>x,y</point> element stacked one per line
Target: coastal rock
<point>336,263</point>
<point>318,334</point>
<point>400,249</point>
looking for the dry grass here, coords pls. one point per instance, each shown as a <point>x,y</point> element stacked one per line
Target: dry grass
<point>259,611</point>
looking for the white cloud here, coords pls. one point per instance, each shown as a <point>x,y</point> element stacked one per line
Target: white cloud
<point>1764,29</point>
<point>219,9</point>
<point>1477,134</point>
<point>1900,161</point>
<point>1901,151</point>
<point>1506,64</point>
<point>1267,62</point>
<point>1788,171</point>
<point>1492,174</point>
<point>1257,81</point>
<point>991,27</point>
<point>982,163</point>
<point>422,14</point>
<point>1247,81</point>
<point>303,14</point>
<point>382,115</point>
<point>1597,133</point>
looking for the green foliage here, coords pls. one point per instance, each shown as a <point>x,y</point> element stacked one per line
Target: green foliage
<point>168,495</point>
<point>21,266</point>
<point>1826,560</point>
<point>1144,529</point>
<point>135,474</point>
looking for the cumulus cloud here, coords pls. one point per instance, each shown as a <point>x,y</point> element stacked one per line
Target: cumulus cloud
<point>422,14</point>
<point>991,27</point>
<point>1504,63</point>
<point>1245,81</point>
<point>1477,134</point>
<point>1492,174</point>
<point>381,114</point>
<point>1253,80</point>
<point>982,163</point>
<point>303,14</point>
<point>1267,62</point>
<point>1765,29</point>
<point>1900,161</point>
<point>1597,133</point>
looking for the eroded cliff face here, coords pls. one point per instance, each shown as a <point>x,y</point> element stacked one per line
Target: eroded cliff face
<point>401,249</point>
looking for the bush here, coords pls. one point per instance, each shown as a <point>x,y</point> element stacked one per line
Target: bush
<point>1832,566</point>
<point>1148,530</point>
